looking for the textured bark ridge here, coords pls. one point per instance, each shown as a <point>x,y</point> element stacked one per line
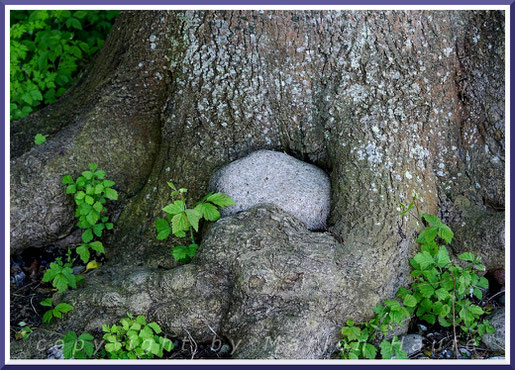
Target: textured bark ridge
<point>386,102</point>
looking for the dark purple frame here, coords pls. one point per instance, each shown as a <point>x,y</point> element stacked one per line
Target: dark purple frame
<point>197,364</point>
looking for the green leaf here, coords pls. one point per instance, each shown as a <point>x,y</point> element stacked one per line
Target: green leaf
<point>92,217</point>
<point>87,236</point>
<point>410,301</point>
<point>67,179</point>
<point>445,233</point>
<point>442,258</point>
<point>175,207</point>
<point>444,310</point>
<point>100,174</point>
<point>432,219</point>
<point>60,282</point>
<point>478,293</point>
<point>193,217</point>
<point>71,189</point>
<point>46,302</point>
<point>369,351</point>
<point>467,256</point>
<point>111,194</point>
<point>109,225</point>
<point>83,252</point>
<point>430,318</point>
<point>208,211</point>
<point>97,247</point>
<point>163,229</point>
<point>351,332</point>
<point>97,229</point>
<point>386,350</point>
<point>64,307</point>
<point>88,175</point>
<point>424,260</point>
<point>180,253</point>
<point>108,183</point>
<point>155,327</point>
<point>431,233</point>
<point>80,195</point>
<point>475,310</point>
<point>47,316</point>
<point>221,200</point>
<point>483,282</point>
<point>92,166</point>
<point>426,290</point>
<point>392,304</point>
<point>442,294</point>
<point>192,249</point>
<point>98,207</point>
<point>167,344</point>
<point>36,95</point>
<point>180,223</point>
<point>51,272</point>
<point>40,139</point>
<point>99,188</point>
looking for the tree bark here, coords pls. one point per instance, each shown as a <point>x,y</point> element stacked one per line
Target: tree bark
<point>387,102</point>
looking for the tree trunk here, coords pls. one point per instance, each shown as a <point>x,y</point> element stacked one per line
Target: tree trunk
<point>386,102</point>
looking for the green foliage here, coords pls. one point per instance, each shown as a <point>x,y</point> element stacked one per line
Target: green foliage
<point>25,331</point>
<point>441,293</point>
<point>56,311</point>
<point>78,348</point>
<point>180,219</point>
<point>91,191</point>
<point>135,339</point>
<point>39,139</point>
<point>48,48</point>
<point>61,275</point>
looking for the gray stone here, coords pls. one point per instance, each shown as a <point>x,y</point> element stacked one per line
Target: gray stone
<point>412,343</point>
<point>260,279</point>
<point>496,341</point>
<point>265,176</point>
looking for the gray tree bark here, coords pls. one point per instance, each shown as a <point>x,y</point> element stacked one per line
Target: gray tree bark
<point>387,102</point>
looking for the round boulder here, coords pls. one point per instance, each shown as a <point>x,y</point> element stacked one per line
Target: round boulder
<point>299,188</point>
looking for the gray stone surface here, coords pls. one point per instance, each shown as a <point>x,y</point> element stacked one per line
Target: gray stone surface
<point>412,343</point>
<point>496,341</point>
<point>266,176</point>
<point>260,279</point>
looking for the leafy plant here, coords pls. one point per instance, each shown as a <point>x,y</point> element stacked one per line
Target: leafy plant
<point>90,192</point>
<point>83,250</point>
<point>61,275</point>
<point>24,332</point>
<point>39,139</point>
<point>56,311</point>
<point>440,293</point>
<point>48,48</point>
<point>78,348</point>
<point>181,220</point>
<point>135,339</point>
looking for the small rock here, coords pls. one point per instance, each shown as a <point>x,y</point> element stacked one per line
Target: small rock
<point>55,353</point>
<point>412,343</point>
<point>224,350</point>
<point>299,188</point>
<point>499,276</point>
<point>422,328</point>
<point>78,269</point>
<point>496,341</point>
